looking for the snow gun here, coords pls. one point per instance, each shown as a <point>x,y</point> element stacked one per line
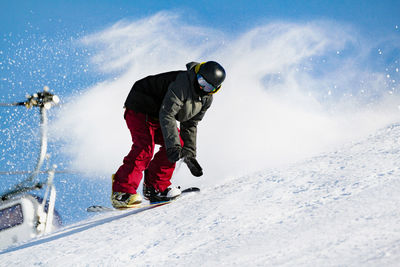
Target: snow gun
<point>23,215</point>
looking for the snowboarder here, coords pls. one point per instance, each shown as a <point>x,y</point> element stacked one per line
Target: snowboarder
<point>153,106</point>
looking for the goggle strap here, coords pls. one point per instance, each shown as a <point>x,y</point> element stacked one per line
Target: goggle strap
<point>197,68</point>
<point>216,90</point>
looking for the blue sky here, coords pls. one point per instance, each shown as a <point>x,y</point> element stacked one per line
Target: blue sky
<point>50,17</point>
<point>39,24</point>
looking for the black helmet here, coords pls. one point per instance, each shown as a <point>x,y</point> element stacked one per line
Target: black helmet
<point>213,72</point>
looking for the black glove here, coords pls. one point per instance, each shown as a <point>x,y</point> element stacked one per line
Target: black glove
<point>174,153</point>
<point>186,153</point>
<point>193,166</point>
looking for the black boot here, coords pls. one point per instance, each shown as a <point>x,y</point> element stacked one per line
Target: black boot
<point>153,195</point>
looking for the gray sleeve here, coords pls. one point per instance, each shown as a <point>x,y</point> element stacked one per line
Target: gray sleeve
<point>169,108</point>
<point>189,130</point>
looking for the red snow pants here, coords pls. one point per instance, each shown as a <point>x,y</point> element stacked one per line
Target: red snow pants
<point>146,133</point>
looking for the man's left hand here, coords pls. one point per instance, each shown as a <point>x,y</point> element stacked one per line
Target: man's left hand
<point>193,166</point>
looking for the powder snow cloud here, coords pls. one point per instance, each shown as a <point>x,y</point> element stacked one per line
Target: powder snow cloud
<point>292,90</point>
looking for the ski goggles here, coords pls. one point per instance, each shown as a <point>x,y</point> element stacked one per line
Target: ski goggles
<point>206,86</point>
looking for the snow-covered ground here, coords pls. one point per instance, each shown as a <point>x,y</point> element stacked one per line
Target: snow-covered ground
<point>337,209</point>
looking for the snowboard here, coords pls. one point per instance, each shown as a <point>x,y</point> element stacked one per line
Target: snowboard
<point>142,206</point>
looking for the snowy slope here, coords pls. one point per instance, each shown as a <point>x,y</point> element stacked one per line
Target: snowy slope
<point>337,209</point>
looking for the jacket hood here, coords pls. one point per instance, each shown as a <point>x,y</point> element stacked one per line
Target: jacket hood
<point>191,65</point>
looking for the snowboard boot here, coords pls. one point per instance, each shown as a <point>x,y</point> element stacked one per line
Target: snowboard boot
<point>153,195</point>
<point>121,200</point>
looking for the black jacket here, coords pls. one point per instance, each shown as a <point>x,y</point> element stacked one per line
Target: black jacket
<point>172,96</point>
<point>147,94</point>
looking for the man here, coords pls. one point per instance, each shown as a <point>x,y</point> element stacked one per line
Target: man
<point>153,107</point>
